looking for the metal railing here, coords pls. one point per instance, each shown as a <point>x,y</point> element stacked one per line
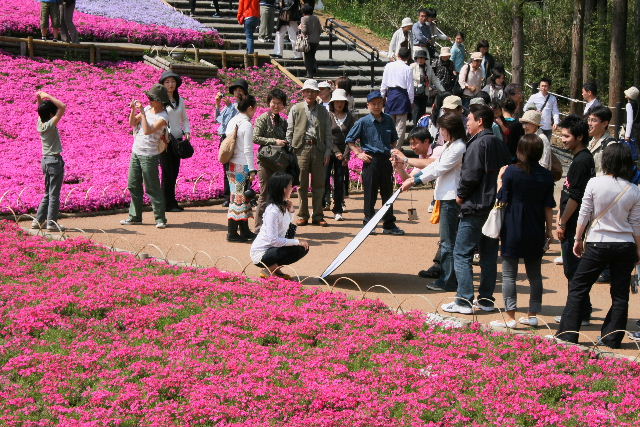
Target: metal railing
<point>342,33</point>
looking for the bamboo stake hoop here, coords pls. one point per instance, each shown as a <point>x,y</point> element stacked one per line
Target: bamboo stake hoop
<point>215,264</point>
<point>316,277</point>
<point>195,255</point>
<point>348,279</point>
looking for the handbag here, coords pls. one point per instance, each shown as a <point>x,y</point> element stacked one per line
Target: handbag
<point>435,215</point>
<point>302,43</point>
<point>556,167</point>
<point>180,147</point>
<point>227,147</point>
<point>493,224</point>
<point>274,157</point>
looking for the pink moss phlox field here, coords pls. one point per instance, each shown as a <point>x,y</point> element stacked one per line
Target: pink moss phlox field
<point>93,337</point>
<point>21,18</point>
<point>96,136</point>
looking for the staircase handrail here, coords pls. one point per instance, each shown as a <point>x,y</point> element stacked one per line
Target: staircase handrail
<point>365,49</point>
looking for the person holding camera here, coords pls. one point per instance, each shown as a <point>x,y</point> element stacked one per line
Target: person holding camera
<point>270,129</point>
<point>149,141</point>
<point>179,128</point>
<point>276,244</point>
<point>241,172</point>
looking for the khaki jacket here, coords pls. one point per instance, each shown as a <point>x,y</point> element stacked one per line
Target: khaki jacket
<point>297,126</point>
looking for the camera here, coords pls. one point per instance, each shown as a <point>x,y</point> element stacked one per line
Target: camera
<point>250,195</point>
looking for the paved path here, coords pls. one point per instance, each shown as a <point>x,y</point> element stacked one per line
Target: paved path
<point>382,260</point>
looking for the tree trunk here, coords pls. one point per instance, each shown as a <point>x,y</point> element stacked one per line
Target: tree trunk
<point>618,47</point>
<point>636,38</point>
<point>601,73</point>
<point>577,41</point>
<point>517,52</point>
<point>589,8</point>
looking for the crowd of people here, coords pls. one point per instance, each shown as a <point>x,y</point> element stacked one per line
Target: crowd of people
<point>487,151</point>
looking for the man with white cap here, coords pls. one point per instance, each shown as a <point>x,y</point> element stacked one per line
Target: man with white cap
<point>309,133</point>
<point>471,78</point>
<point>547,105</point>
<point>325,94</point>
<point>632,127</point>
<point>397,89</point>
<point>424,80</point>
<point>531,120</point>
<point>445,69</point>
<point>403,37</point>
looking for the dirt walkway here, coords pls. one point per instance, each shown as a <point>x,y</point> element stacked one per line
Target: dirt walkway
<point>199,233</point>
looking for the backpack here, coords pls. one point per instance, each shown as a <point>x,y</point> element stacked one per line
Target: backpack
<point>289,10</point>
<point>424,121</point>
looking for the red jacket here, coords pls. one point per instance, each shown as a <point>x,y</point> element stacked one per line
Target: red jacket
<point>247,9</point>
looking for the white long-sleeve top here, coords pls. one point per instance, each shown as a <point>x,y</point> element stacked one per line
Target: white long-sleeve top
<point>243,152</point>
<point>629,123</point>
<point>397,39</point>
<point>446,169</point>
<point>545,160</point>
<point>397,74</point>
<point>178,119</point>
<point>622,221</point>
<point>274,227</point>
<point>550,113</point>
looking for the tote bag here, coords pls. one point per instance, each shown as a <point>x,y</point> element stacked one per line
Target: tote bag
<point>227,147</point>
<point>493,224</point>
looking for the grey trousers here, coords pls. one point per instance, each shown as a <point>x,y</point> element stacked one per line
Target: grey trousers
<point>68,29</point>
<point>267,22</point>
<point>509,274</point>
<point>53,170</point>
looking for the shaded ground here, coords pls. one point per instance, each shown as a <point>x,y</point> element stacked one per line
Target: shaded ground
<point>198,235</point>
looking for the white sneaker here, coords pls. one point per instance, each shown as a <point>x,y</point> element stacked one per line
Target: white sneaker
<point>454,307</point>
<point>529,321</point>
<point>36,225</point>
<point>430,209</point>
<point>161,225</point>
<point>338,217</point>
<point>500,324</point>
<point>558,260</point>
<point>261,40</point>
<point>583,323</point>
<point>58,227</point>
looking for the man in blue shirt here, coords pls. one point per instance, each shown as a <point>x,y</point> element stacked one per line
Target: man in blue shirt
<point>240,90</point>
<point>422,30</point>
<point>376,133</point>
<point>458,52</point>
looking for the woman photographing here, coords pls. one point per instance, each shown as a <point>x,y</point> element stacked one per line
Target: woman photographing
<point>275,244</point>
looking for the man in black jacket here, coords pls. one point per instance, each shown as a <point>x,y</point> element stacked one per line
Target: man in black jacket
<point>482,161</point>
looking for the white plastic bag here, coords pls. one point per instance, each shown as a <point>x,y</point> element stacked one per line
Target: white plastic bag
<point>493,225</point>
<point>319,5</point>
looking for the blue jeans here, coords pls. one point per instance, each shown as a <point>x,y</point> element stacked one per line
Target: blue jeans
<point>53,170</point>
<point>449,219</point>
<point>468,237</point>
<point>250,25</point>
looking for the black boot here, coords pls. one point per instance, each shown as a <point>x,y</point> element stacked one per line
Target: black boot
<point>232,231</point>
<point>245,233</point>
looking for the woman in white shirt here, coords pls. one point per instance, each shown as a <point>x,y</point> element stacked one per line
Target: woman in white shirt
<point>241,172</point>
<point>179,127</point>
<point>276,244</point>
<point>612,205</point>
<point>149,141</point>
<point>632,126</point>
<point>446,171</point>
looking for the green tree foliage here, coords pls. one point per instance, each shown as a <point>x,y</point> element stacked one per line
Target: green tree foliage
<point>547,30</point>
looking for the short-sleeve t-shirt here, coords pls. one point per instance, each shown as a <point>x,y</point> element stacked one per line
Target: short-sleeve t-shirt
<point>581,170</point>
<point>50,138</point>
<point>148,145</point>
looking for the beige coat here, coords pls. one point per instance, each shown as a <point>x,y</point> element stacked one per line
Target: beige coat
<point>297,126</point>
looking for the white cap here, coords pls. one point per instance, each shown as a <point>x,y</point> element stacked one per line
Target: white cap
<point>406,22</point>
<point>452,102</point>
<point>311,84</point>
<point>632,93</point>
<point>339,95</point>
<point>324,84</point>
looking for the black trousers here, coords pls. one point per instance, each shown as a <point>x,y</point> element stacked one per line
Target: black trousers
<point>225,166</point>
<point>622,258</point>
<point>420,103</point>
<point>335,169</point>
<point>284,255</point>
<point>378,176</point>
<point>170,165</point>
<point>310,60</point>
<point>570,264</point>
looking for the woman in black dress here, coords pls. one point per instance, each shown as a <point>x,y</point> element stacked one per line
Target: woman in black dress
<point>527,190</point>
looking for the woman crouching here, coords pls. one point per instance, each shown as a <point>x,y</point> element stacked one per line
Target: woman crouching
<point>276,244</point>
